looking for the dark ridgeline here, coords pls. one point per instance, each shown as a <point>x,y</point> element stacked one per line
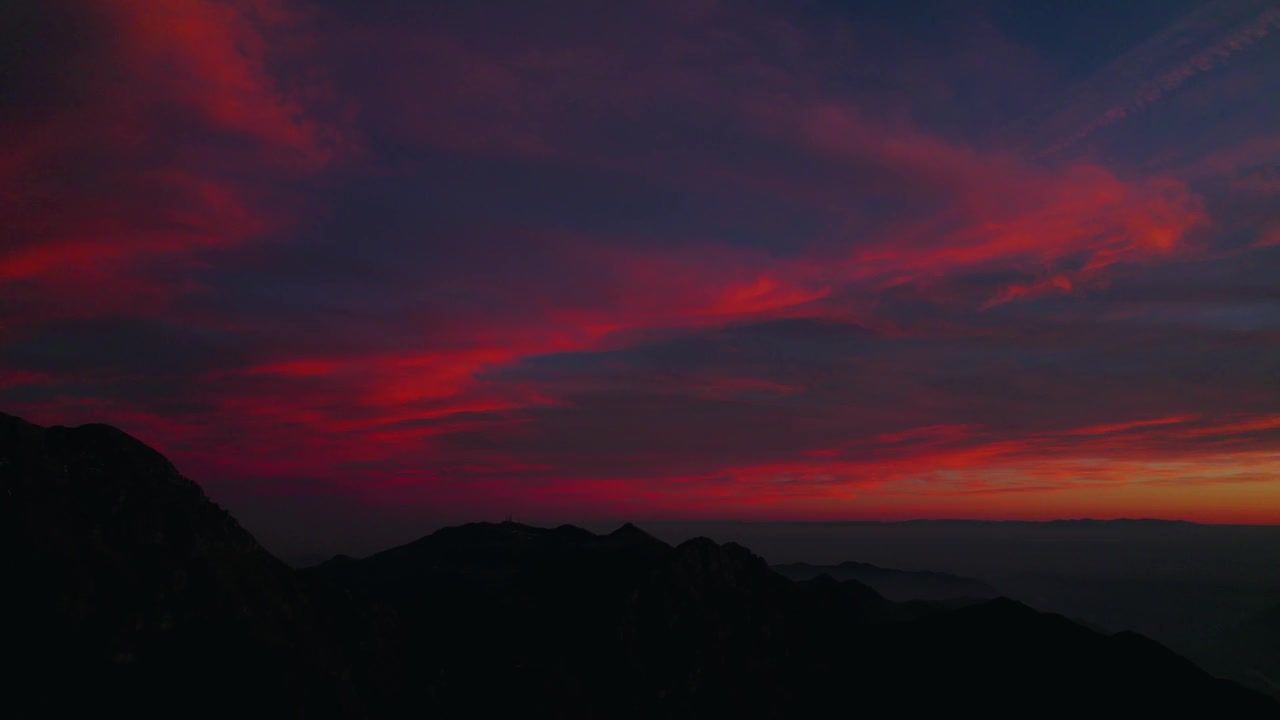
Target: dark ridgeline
<point>125,588</point>
<point>128,591</point>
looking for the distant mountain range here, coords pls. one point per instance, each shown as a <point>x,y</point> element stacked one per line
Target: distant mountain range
<point>129,593</point>
<point>943,522</point>
<point>896,585</point>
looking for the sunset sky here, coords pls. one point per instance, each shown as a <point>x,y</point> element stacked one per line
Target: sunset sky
<point>730,259</point>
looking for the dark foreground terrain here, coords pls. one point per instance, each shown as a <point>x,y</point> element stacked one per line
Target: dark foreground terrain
<point>127,591</point>
<point>1208,592</point>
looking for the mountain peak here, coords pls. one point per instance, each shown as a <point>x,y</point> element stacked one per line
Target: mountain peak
<point>138,589</point>
<point>631,533</point>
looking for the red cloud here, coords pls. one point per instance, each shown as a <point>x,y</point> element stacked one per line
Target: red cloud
<point>1110,428</point>
<point>178,111</point>
<point>202,121</point>
<point>215,57</point>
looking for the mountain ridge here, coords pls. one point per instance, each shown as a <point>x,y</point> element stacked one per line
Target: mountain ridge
<point>134,587</point>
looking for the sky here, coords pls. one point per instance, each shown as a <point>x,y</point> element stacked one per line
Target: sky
<point>357,264</point>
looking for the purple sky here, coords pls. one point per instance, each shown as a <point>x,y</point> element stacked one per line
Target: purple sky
<point>358,264</point>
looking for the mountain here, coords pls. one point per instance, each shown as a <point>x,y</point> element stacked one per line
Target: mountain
<point>131,593</point>
<point>574,623</point>
<point>897,585</point>
<point>128,589</point>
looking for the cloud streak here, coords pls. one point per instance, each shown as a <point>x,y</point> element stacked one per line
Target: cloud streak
<point>1212,54</point>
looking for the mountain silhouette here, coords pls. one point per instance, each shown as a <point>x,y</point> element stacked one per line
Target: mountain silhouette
<point>128,589</point>
<point>130,592</point>
<point>898,585</point>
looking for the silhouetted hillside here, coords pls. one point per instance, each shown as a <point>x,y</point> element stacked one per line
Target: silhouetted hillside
<point>127,589</point>
<point>132,593</point>
<point>704,630</point>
